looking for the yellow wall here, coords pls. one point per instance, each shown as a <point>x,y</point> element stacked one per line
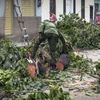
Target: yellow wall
<point>8,17</point>
<point>28,7</point>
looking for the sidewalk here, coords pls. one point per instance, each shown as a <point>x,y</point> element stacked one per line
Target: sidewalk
<point>91,54</point>
<point>94,55</point>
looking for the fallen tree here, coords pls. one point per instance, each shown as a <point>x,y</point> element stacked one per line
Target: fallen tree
<point>78,32</point>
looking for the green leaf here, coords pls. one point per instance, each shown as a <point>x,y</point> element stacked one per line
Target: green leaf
<point>88,93</point>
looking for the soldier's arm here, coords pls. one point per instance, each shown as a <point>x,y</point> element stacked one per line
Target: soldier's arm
<point>41,27</point>
<point>61,37</point>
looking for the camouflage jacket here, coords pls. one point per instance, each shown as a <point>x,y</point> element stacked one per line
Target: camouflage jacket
<point>47,27</point>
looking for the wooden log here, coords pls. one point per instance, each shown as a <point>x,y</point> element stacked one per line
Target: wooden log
<point>42,66</point>
<point>32,70</point>
<point>2,94</point>
<point>63,61</point>
<point>39,68</point>
<point>43,69</point>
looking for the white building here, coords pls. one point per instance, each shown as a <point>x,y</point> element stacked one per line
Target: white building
<point>85,8</point>
<point>35,11</point>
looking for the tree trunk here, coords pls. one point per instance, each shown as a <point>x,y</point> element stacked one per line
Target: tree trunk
<point>63,61</point>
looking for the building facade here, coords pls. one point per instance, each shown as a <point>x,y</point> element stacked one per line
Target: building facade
<point>85,8</point>
<point>9,22</point>
<point>35,11</point>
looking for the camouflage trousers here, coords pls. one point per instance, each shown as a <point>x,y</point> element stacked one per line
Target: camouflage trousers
<point>52,41</point>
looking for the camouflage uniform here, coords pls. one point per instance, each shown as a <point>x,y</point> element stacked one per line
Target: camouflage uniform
<point>47,30</point>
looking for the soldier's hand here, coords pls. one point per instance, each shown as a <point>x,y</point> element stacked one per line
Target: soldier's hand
<point>30,54</point>
<point>66,44</point>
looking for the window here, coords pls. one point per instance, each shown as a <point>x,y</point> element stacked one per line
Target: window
<point>8,17</point>
<point>96,8</point>
<point>2,8</point>
<point>91,12</point>
<point>64,6</point>
<point>28,8</point>
<point>74,6</point>
<point>53,6</point>
<point>82,8</point>
<point>38,3</point>
<point>97,13</point>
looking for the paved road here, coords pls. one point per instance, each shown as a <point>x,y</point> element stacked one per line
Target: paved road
<point>86,85</point>
<point>95,56</point>
<point>91,54</point>
<point>83,97</point>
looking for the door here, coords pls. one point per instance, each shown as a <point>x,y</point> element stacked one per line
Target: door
<point>8,17</point>
<point>53,6</point>
<point>28,7</point>
<point>91,14</point>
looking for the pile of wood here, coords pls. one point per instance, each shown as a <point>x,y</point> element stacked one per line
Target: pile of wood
<point>63,61</point>
<point>43,66</point>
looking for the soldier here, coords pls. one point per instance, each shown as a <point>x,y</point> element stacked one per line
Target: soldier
<point>47,30</point>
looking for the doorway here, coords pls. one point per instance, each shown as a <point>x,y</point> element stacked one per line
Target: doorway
<point>91,14</point>
<point>8,17</point>
<point>53,6</point>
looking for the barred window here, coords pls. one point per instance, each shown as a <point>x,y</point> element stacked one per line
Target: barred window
<point>82,8</point>
<point>53,6</point>
<point>64,6</point>
<point>74,6</point>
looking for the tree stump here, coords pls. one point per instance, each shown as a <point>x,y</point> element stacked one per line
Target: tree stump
<point>63,61</point>
<point>43,69</point>
<point>32,70</point>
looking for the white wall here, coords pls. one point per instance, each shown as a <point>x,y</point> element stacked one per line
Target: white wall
<point>45,9</point>
<point>38,10</point>
<point>68,6</point>
<point>87,9</point>
<point>78,7</point>
<point>59,8</point>
<point>72,7</point>
<point>2,8</point>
